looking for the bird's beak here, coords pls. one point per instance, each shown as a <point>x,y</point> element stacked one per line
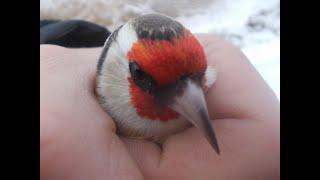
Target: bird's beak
<point>192,105</point>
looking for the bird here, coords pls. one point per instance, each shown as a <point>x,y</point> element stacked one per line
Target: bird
<point>151,78</point>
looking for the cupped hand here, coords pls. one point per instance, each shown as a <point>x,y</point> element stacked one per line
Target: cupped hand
<point>78,139</point>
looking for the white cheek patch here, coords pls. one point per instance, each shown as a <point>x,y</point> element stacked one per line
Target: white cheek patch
<point>211,76</point>
<point>126,37</point>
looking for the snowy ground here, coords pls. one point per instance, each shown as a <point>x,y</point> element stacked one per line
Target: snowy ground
<point>253,25</point>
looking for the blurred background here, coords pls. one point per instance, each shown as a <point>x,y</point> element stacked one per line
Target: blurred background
<point>253,25</point>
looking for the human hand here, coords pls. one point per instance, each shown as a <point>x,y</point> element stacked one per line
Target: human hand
<point>78,139</point>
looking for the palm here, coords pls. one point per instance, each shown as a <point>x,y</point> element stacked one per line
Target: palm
<point>247,127</point>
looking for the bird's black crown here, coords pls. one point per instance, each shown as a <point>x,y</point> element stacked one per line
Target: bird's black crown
<point>156,26</point>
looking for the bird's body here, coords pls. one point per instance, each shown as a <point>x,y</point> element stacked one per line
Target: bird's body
<point>149,69</point>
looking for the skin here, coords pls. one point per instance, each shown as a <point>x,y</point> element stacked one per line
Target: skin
<point>78,140</point>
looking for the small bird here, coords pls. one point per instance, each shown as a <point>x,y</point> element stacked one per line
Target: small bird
<point>151,78</point>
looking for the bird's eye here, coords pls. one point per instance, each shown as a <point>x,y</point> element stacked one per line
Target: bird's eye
<point>138,74</point>
<point>141,78</point>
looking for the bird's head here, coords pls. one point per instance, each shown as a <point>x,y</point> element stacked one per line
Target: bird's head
<point>166,71</point>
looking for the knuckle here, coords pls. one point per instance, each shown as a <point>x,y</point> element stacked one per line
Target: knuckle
<point>48,133</point>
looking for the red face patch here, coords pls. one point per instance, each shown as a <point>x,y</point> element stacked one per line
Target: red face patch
<point>166,62</point>
<point>147,107</point>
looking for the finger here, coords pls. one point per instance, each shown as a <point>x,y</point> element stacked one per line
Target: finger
<point>146,154</point>
<point>72,152</point>
<point>239,91</point>
<point>249,150</point>
<point>77,137</point>
<point>66,76</point>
